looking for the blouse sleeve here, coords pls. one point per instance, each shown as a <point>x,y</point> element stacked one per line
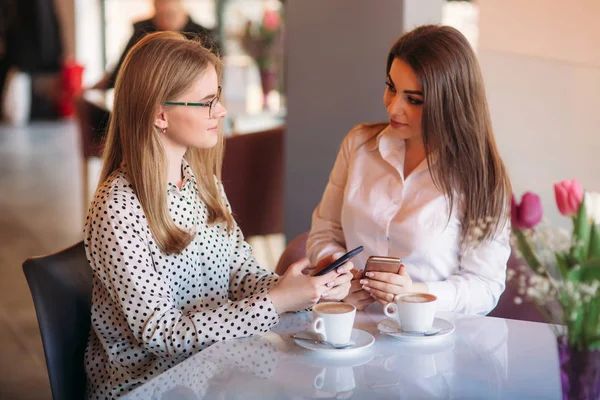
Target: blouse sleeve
<point>120,258</point>
<point>480,280</point>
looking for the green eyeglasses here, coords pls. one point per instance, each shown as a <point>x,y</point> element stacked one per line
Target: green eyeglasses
<point>211,104</point>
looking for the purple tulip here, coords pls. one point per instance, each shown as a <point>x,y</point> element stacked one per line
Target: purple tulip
<point>527,214</point>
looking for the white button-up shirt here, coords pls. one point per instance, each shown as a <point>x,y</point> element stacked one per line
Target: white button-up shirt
<point>369,202</point>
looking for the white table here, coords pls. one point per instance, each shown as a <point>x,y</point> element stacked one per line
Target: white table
<point>485,358</point>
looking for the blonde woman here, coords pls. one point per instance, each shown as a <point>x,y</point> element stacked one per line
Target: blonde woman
<point>172,272</point>
<point>412,187</point>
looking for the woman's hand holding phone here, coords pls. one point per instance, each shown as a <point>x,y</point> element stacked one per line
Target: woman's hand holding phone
<point>336,261</point>
<point>357,296</point>
<point>341,285</point>
<point>384,284</point>
<point>297,290</point>
<point>360,295</point>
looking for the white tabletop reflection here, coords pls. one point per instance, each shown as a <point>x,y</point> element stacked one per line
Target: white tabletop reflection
<point>485,358</point>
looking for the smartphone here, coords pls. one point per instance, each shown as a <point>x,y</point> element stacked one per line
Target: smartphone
<point>383,264</point>
<point>340,261</point>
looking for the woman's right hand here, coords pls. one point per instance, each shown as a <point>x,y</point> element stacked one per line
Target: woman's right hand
<point>297,291</point>
<point>358,297</point>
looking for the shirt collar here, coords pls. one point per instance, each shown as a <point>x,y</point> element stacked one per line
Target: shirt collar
<point>386,140</point>
<point>373,143</point>
<point>188,177</point>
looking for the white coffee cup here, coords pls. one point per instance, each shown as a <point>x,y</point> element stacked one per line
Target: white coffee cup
<point>414,311</point>
<point>333,321</point>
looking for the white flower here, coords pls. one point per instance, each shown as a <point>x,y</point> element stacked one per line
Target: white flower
<point>518,300</point>
<point>589,289</point>
<point>510,274</point>
<point>532,293</point>
<point>573,316</point>
<point>592,205</point>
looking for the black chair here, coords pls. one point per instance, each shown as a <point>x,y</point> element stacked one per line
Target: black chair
<point>61,287</point>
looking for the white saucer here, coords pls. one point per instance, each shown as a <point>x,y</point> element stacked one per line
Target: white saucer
<point>361,340</point>
<point>391,325</point>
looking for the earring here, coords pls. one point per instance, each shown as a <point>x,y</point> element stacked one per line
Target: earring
<point>163,130</point>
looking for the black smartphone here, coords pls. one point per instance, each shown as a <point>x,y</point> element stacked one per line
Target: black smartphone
<point>340,261</point>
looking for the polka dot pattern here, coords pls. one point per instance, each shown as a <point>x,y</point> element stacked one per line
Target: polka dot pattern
<point>151,310</point>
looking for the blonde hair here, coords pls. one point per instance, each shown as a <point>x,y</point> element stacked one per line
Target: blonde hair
<point>160,67</point>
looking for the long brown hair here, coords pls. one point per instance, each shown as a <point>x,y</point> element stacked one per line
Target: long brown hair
<point>456,125</point>
<point>161,66</point>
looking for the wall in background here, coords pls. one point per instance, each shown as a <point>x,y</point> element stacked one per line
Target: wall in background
<point>65,10</point>
<point>88,43</point>
<point>335,74</point>
<point>542,73</point>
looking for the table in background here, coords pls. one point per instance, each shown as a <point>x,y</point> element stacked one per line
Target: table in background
<point>236,122</point>
<point>485,358</point>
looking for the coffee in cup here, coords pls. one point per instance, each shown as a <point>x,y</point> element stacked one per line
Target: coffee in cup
<point>418,298</point>
<point>413,311</point>
<point>333,321</point>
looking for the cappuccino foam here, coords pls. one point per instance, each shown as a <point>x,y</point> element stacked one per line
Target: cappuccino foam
<point>417,298</point>
<point>333,308</point>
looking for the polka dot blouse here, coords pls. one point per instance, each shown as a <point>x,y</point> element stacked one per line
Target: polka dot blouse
<point>151,310</point>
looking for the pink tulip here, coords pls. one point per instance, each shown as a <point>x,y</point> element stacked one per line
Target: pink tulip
<point>527,214</point>
<point>271,20</point>
<point>568,194</point>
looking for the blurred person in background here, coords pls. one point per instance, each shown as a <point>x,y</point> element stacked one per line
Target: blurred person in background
<point>169,15</point>
<point>31,55</point>
<point>7,11</point>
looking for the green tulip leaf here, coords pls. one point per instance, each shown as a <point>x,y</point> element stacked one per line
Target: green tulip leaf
<point>571,260</point>
<point>581,232</point>
<point>576,326</point>
<point>590,270</point>
<point>574,275</point>
<point>590,322</point>
<point>563,267</point>
<point>527,251</point>
<point>594,249</point>
<point>594,343</point>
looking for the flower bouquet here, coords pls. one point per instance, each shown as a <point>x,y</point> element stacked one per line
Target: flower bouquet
<point>263,42</point>
<point>562,277</point>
